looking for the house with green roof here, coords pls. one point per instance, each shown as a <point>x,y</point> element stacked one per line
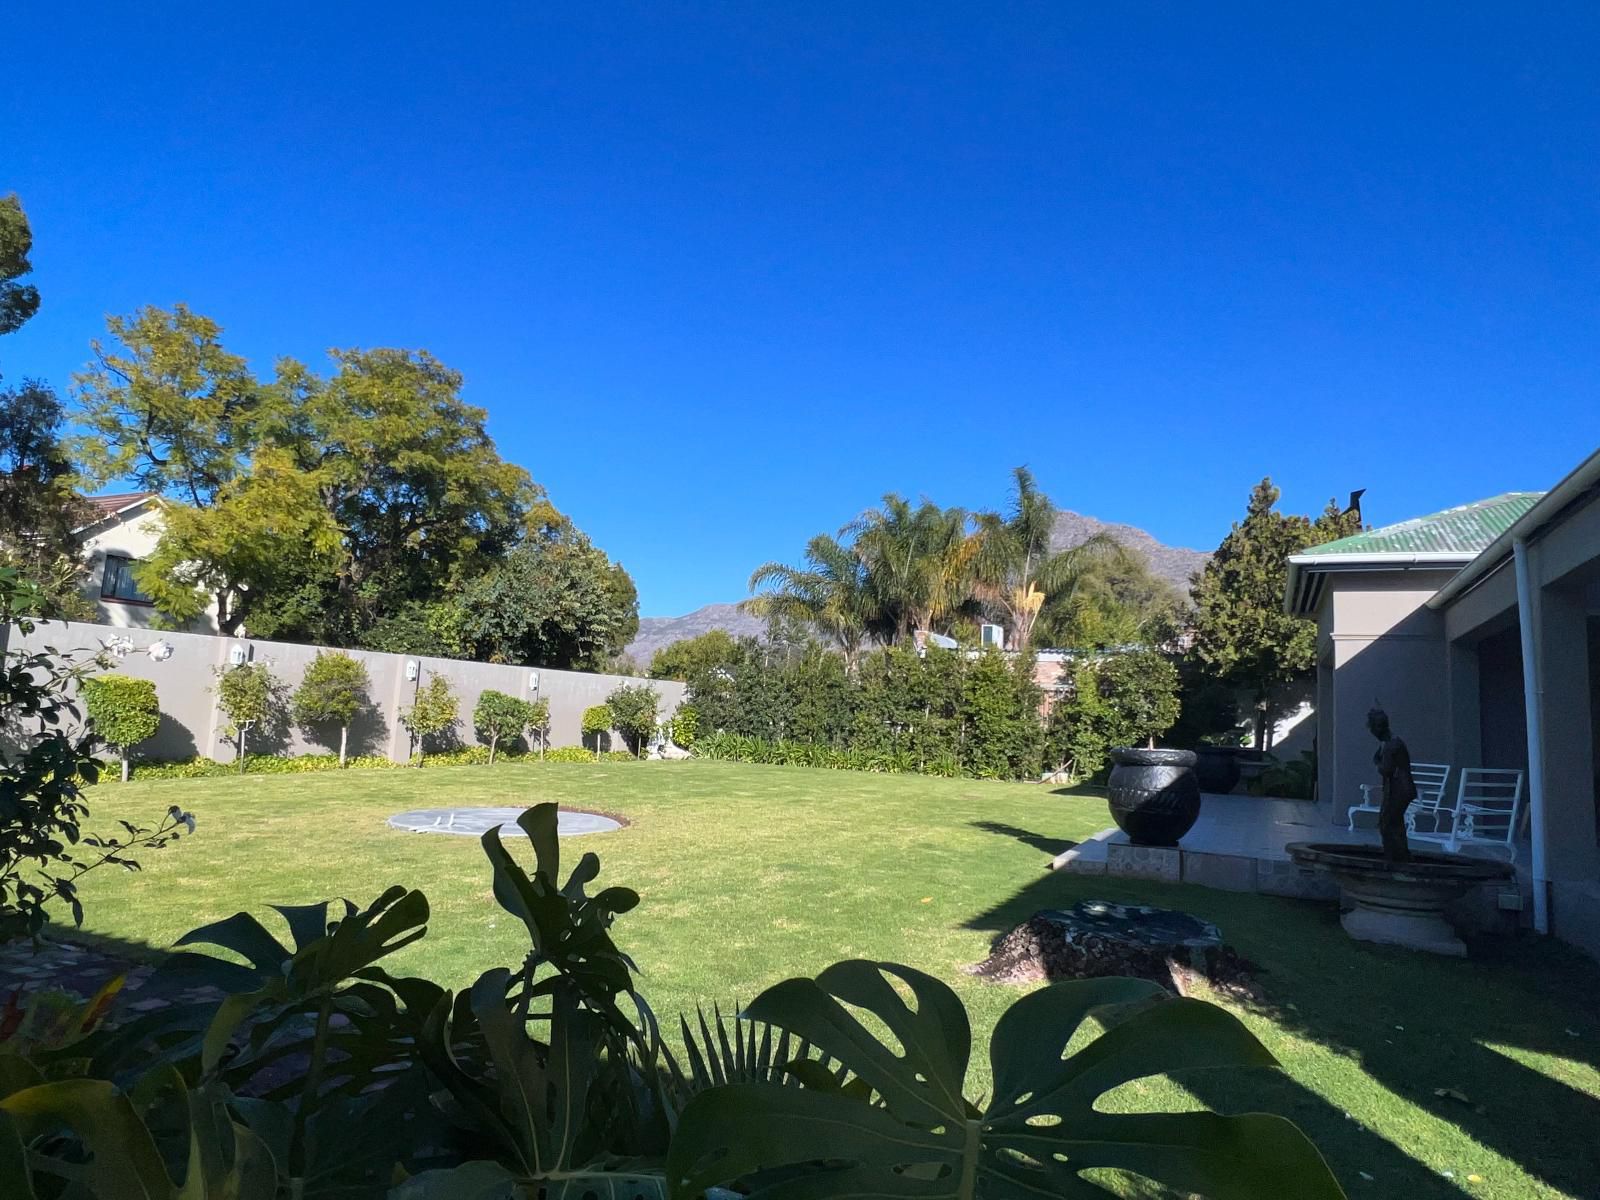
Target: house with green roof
<point>1478,630</point>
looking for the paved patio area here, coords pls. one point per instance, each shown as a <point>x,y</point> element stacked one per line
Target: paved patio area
<point>1238,844</point>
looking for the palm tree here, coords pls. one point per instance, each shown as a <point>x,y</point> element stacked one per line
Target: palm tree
<point>1014,569</point>
<point>918,561</point>
<point>831,594</point>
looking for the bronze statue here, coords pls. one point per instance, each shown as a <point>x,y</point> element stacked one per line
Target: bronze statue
<point>1399,788</point>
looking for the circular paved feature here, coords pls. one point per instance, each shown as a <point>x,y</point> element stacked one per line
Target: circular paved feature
<point>475,822</point>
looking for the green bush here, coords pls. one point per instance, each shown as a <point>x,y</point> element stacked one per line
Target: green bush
<point>432,714</point>
<point>597,723</point>
<point>633,709</point>
<point>619,756</point>
<point>570,754</point>
<point>499,717</point>
<point>1119,700</point>
<point>685,726</point>
<point>124,710</point>
<point>333,691</point>
<point>252,698</point>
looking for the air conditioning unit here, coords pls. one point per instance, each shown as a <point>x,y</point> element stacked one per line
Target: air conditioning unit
<point>992,635</point>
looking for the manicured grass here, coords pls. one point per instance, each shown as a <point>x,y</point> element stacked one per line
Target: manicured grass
<point>1432,1077</point>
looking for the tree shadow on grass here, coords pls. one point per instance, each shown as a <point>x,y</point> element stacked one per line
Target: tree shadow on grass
<point>1420,1026</point>
<point>1048,845</point>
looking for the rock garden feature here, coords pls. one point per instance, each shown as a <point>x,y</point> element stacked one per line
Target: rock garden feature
<point>1098,938</point>
<point>1154,794</point>
<point>475,822</point>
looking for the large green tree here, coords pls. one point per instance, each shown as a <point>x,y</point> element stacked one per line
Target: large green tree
<point>39,511</point>
<point>1243,636</point>
<point>693,658</point>
<point>918,561</point>
<point>18,301</point>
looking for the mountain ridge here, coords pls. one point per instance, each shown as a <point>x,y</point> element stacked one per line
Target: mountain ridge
<point>1175,564</point>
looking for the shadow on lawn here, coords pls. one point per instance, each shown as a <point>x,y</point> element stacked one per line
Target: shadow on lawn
<point>1419,1026</point>
<point>1048,845</point>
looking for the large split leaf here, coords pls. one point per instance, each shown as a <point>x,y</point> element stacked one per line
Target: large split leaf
<point>904,1129</point>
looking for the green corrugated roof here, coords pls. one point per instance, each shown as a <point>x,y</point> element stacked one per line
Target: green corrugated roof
<point>1467,530</point>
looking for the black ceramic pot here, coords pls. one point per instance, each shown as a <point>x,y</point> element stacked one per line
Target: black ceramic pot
<point>1217,768</point>
<point>1155,797</point>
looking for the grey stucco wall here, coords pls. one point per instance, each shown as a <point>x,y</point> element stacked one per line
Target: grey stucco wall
<point>191,723</point>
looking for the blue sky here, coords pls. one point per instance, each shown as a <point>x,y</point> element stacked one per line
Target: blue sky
<point>722,274</point>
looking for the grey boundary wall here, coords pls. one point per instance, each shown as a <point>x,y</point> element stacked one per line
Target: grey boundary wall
<point>191,723</point>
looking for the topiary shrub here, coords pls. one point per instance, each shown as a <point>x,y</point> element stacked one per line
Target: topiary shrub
<point>434,712</point>
<point>499,717</point>
<point>332,691</point>
<point>633,711</point>
<point>597,723</point>
<point>124,710</point>
<point>251,697</point>
<point>539,722</point>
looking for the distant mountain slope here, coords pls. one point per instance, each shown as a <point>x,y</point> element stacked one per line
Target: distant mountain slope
<point>656,632</point>
<point>1173,563</point>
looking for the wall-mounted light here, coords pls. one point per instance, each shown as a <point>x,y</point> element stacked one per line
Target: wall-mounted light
<point>533,683</point>
<point>160,651</point>
<point>413,669</point>
<point>236,655</point>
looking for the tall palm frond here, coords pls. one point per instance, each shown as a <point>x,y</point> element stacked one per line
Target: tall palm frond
<point>918,561</point>
<point>831,594</point>
<point>1014,568</point>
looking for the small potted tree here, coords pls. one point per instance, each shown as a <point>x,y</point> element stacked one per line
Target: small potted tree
<point>498,717</point>
<point>124,710</point>
<point>333,691</point>
<point>434,711</point>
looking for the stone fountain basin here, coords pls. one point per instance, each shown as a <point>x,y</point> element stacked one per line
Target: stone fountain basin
<point>1400,904</point>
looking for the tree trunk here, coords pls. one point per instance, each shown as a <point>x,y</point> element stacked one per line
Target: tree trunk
<point>241,751</point>
<point>344,741</point>
<point>494,741</point>
<point>124,764</point>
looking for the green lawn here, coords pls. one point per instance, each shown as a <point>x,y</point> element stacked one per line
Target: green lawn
<point>750,874</point>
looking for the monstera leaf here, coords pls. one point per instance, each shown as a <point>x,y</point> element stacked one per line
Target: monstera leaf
<point>61,1121</point>
<point>903,1128</point>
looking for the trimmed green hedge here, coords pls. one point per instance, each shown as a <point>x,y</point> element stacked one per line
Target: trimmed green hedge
<point>268,764</point>
<point>734,747</point>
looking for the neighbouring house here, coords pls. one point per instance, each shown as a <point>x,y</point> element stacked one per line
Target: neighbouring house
<point>1478,630</point>
<point>124,528</point>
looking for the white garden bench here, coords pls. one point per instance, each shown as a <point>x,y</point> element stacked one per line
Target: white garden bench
<point>1430,779</point>
<point>1488,811</point>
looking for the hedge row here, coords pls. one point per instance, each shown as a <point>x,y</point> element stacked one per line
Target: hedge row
<point>270,764</point>
<point>733,747</point>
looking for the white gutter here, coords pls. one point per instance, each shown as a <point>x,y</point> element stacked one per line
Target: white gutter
<point>1533,704</point>
<point>1387,560</point>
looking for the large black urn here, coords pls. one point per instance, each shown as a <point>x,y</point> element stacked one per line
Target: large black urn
<point>1155,797</point>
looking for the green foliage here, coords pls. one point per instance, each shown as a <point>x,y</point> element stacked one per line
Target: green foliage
<point>333,691</point>
<point>1113,601</point>
<point>892,1118</point>
<point>252,698</point>
<point>1242,634</point>
<point>1118,700</point>
<point>18,301</point>
<point>685,727</point>
<point>539,722</point>
<point>45,761</point>
<point>124,710</point>
<point>499,717</point>
<point>696,657</point>
<point>570,754</point>
<point>999,713</point>
<point>833,593</point>
<point>597,723</point>
<point>633,708</point>
<point>549,1077</point>
<point>39,510</point>
<point>1292,780</point>
<point>432,714</point>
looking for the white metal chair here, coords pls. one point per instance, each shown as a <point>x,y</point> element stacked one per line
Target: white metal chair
<point>1430,780</point>
<point>1488,810</point>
